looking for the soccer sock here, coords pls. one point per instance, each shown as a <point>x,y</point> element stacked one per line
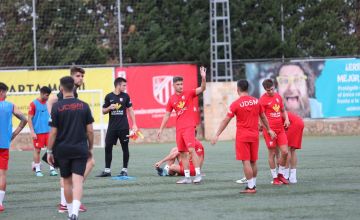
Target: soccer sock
<point>286,173</point>
<point>293,173</point>
<point>107,170</point>
<point>166,170</point>
<point>2,195</point>
<point>126,154</point>
<point>167,167</point>
<point>251,183</point>
<point>124,169</point>
<point>187,173</point>
<point>197,171</point>
<point>273,173</point>
<point>75,207</point>
<point>37,167</point>
<point>108,155</point>
<point>281,170</point>
<point>254,181</point>
<point>70,208</point>
<point>62,196</point>
<point>52,168</point>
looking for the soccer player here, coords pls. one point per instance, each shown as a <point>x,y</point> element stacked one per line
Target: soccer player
<point>77,74</point>
<point>294,135</point>
<point>7,110</point>
<point>271,103</point>
<point>117,104</point>
<point>247,111</point>
<point>182,103</point>
<point>38,119</point>
<point>171,168</point>
<point>72,138</point>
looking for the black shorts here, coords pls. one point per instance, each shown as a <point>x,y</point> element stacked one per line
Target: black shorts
<point>70,166</point>
<point>113,135</point>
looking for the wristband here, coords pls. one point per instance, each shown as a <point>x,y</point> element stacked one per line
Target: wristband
<point>48,151</point>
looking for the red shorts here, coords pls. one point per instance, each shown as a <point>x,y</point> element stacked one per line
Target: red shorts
<point>41,140</point>
<point>247,150</point>
<point>294,134</point>
<point>281,138</point>
<point>191,167</point>
<point>185,138</point>
<point>4,159</point>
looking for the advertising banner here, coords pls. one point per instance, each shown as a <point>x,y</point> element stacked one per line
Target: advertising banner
<point>150,88</point>
<point>312,89</point>
<point>31,81</point>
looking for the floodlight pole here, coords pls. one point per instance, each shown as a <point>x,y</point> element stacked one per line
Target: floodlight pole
<point>119,28</point>
<point>34,33</point>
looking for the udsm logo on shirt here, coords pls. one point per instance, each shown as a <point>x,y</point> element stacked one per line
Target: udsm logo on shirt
<point>162,88</point>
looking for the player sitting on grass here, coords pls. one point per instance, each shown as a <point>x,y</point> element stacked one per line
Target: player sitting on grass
<point>171,168</point>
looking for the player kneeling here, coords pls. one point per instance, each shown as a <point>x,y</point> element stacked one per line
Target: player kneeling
<point>171,168</point>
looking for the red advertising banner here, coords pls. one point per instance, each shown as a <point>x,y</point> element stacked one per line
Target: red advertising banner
<point>150,88</point>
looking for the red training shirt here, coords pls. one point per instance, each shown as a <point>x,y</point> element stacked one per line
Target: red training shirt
<point>247,110</point>
<point>184,108</point>
<point>273,107</point>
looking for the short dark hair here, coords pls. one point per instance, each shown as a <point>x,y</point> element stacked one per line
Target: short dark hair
<point>177,79</point>
<point>243,85</point>
<point>76,69</point>
<point>67,82</point>
<point>45,90</point>
<point>268,83</point>
<point>119,80</point>
<point>3,87</point>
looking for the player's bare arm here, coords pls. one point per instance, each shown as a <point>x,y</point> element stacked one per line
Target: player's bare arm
<point>163,123</point>
<point>203,81</point>
<point>132,116</point>
<point>224,123</point>
<point>51,102</point>
<point>90,137</point>
<point>108,109</point>
<point>171,156</point>
<point>19,115</point>
<point>265,122</point>
<point>31,126</point>
<point>286,118</point>
<point>52,137</point>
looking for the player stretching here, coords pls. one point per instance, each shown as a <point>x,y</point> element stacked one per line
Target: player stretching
<point>273,107</point>
<point>294,136</point>
<point>247,111</point>
<point>38,119</point>
<point>171,168</point>
<point>182,103</point>
<point>117,104</point>
<point>72,136</point>
<point>7,109</point>
<point>77,74</point>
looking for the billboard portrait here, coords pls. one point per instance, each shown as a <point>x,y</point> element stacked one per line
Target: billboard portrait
<point>312,89</point>
<point>294,81</point>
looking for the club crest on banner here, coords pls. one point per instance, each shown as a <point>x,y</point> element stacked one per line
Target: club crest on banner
<point>162,88</point>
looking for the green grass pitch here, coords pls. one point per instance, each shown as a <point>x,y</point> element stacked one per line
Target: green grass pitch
<point>328,186</point>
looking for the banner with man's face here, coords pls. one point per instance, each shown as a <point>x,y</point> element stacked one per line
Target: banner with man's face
<point>312,89</point>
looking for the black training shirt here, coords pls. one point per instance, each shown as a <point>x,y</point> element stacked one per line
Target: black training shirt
<point>118,117</point>
<point>70,117</point>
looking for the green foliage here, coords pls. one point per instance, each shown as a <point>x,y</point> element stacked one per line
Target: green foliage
<point>86,31</point>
